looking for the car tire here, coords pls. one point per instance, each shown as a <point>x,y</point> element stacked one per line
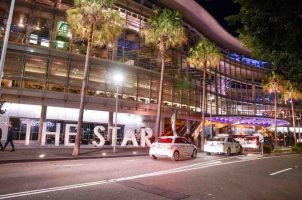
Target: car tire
<point>228,153</point>
<point>194,153</point>
<point>154,157</point>
<point>240,150</point>
<point>175,156</point>
<point>208,153</point>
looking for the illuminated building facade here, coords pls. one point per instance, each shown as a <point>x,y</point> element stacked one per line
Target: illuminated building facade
<point>44,69</point>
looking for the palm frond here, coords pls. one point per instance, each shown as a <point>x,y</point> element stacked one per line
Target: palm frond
<point>274,83</point>
<point>165,30</point>
<point>204,54</point>
<point>95,16</point>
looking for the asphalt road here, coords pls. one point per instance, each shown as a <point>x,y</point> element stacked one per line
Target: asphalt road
<point>207,177</point>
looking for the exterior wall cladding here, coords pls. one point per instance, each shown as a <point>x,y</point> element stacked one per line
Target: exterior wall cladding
<point>44,66</point>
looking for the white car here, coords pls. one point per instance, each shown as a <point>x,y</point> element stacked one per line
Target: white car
<point>222,144</point>
<point>251,142</point>
<point>173,147</point>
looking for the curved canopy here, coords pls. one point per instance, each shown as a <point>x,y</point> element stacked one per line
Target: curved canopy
<point>200,19</point>
<point>248,120</point>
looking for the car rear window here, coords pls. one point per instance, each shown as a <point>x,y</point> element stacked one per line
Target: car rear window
<point>221,139</point>
<point>251,138</point>
<point>165,140</point>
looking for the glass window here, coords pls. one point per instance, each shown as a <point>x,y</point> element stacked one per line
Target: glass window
<point>57,78</point>
<point>19,27</point>
<point>219,139</point>
<point>35,66</point>
<point>13,70</point>
<point>2,26</point>
<point>40,32</point>
<point>35,72</point>
<point>164,140</point>
<point>63,35</point>
<point>180,140</point>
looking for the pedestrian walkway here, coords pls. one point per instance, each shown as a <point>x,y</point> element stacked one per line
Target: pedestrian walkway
<point>36,153</point>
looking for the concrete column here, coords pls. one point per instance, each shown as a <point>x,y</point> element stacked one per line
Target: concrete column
<point>188,127</point>
<point>42,120</point>
<point>110,123</point>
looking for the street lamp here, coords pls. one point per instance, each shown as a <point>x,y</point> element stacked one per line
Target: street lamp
<point>6,37</point>
<point>117,79</point>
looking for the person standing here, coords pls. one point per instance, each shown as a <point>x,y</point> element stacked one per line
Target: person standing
<point>10,137</point>
<point>0,139</point>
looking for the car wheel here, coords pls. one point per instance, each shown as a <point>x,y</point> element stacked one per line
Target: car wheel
<point>194,154</point>
<point>228,153</point>
<point>240,150</point>
<point>208,153</point>
<point>175,156</point>
<point>154,157</point>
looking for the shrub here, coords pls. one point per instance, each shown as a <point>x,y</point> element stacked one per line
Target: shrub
<point>277,150</point>
<point>267,148</point>
<point>297,148</point>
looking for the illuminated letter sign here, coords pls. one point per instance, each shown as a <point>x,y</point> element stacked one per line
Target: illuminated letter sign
<point>68,133</point>
<point>96,131</point>
<point>145,137</point>
<point>57,133</point>
<point>129,136</point>
<point>114,134</point>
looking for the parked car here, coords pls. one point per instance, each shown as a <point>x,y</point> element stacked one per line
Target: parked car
<point>251,142</point>
<point>173,147</point>
<point>222,144</point>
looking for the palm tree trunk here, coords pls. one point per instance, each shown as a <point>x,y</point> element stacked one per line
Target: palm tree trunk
<point>76,149</point>
<point>294,123</point>
<point>275,121</point>
<point>158,115</point>
<point>203,108</point>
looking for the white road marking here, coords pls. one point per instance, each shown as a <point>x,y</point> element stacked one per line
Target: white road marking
<point>72,165</point>
<point>278,172</point>
<point>159,173</point>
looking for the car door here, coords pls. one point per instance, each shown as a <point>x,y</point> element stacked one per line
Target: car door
<point>233,145</point>
<point>236,146</point>
<point>180,145</point>
<point>230,144</point>
<point>189,147</point>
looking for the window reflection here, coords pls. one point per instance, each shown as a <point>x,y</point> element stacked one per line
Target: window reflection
<point>40,32</point>
<point>63,35</point>
<point>2,27</point>
<point>19,27</point>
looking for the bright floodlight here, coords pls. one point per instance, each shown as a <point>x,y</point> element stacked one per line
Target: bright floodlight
<point>118,78</point>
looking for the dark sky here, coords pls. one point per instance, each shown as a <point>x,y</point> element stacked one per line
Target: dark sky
<point>219,9</point>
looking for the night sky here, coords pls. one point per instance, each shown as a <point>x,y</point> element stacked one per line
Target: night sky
<point>220,9</point>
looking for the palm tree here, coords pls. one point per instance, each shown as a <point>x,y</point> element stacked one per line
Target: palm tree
<point>204,55</point>
<point>292,93</point>
<point>95,22</point>
<point>165,30</point>
<point>274,84</point>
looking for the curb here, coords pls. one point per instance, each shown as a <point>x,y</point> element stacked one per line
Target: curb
<point>69,158</point>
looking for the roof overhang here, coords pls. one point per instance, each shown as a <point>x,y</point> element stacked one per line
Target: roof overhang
<point>199,18</point>
<point>248,121</point>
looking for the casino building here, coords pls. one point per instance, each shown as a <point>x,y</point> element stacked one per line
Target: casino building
<point>44,69</point>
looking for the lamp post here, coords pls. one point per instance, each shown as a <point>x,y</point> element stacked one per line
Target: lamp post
<point>6,37</point>
<point>118,79</point>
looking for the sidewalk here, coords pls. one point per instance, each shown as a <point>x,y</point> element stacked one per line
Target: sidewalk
<point>36,153</point>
